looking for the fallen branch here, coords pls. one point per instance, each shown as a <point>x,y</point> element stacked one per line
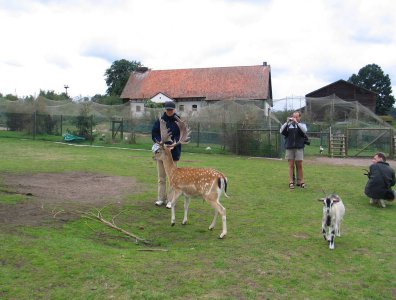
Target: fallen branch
<point>149,249</point>
<point>111,224</point>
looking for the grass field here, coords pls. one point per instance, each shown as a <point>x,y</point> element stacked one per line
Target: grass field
<point>273,250</point>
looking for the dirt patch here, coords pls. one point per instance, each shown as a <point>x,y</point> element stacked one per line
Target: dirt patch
<point>357,162</point>
<point>49,193</point>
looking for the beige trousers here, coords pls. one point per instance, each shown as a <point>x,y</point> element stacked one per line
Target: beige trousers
<point>162,195</point>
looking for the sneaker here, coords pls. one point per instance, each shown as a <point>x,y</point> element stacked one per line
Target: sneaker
<point>372,201</point>
<point>159,202</point>
<point>382,203</point>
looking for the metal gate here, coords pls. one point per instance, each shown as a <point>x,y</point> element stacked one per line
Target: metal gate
<point>365,142</point>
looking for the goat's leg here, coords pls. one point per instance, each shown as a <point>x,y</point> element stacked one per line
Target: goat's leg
<point>186,205</point>
<point>332,236</point>
<point>324,233</point>
<point>324,229</point>
<point>338,229</point>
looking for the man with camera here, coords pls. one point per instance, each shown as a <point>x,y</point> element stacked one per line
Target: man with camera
<point>294,132</point>
<point>381,179</point>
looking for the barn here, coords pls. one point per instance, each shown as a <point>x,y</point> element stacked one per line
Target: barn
<point>348,92</point>
<point>192,89</point>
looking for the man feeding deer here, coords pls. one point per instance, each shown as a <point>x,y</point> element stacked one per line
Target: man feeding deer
<point>169,117</point>
<point>205,182</point>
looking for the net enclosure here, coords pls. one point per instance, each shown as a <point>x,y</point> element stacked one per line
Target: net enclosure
<point>241,127</point>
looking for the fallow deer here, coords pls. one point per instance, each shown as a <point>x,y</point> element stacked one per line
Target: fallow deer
<point>205,182</point>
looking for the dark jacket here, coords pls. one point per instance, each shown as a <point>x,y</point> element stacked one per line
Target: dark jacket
<point>294,136</point>
<point>175,132</point>
<point>381,178</point>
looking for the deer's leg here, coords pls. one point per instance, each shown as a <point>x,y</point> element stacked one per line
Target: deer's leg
<point>186,205</point>
<point>161,181</point>
<point>172,203</point>
<point>170,198</point>
<point>219,209</point>
<point>213,224</point>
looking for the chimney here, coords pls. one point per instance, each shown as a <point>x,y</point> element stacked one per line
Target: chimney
<point>141,69</point>
<point>265,64</point>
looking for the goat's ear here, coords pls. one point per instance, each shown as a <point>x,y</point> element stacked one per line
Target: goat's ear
<point>321,199</point>
<point>336,199</point>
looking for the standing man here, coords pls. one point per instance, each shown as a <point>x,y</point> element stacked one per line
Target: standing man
<point>381,179</point>
<point>169,117</point>
<point>294,132</point>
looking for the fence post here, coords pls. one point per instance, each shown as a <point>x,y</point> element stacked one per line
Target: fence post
<point>392,144</point>
<point>91,129</point>
<point>198,133</point>
<point>34,124</point>
<point>61,125</point>
<point>237,140</point>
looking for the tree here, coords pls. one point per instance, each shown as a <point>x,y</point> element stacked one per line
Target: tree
<point>108,100</point>
<point>118,74</point>
<point>11,97</point>
<point>54,96</point>
<point>372,77</point>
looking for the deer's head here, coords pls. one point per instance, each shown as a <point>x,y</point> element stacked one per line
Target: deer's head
<point>163,147</point>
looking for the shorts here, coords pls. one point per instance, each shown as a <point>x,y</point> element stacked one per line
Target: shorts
<point>295,154</point>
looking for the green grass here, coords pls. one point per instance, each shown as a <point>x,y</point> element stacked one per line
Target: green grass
<point>274,248</point>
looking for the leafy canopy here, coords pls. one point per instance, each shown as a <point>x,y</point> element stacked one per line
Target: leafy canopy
<point>118,74</point>
<point>50,94</point>
<point>372,77</point>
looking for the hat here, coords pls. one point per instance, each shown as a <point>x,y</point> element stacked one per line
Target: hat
<point>169,105</point>
<point>155,147</point>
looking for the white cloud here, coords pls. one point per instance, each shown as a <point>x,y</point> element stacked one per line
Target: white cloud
<point>46,44</point>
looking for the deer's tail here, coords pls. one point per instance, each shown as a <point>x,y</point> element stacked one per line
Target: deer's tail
<point>222,183</point>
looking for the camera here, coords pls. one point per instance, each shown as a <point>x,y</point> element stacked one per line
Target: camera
<point>290,119</point>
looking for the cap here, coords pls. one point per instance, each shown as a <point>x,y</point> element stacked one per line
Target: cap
<point>155,147</point>
<point>169,105</point>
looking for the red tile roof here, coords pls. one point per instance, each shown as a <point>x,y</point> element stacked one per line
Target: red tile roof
<point>224,83</point>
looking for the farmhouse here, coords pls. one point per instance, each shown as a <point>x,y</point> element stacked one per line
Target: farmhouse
<point>192,89</point>
<point>348,92</point>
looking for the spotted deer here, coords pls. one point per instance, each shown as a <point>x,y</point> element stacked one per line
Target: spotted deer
<point>205,182</point>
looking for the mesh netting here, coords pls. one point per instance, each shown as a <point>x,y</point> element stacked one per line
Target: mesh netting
<point>242,127</point>
<point>65,107</point>
<point>333,111</point>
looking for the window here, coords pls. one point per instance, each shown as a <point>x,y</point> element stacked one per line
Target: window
<point>138,108</point>
<point>181,107</point>
<point>195,107</point>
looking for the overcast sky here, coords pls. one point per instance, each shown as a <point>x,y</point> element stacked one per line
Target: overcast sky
<point>46,44</point>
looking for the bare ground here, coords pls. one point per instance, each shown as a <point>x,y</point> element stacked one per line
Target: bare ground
<point>357,162</point>
<point>50,195</point>
<point>56,194</point>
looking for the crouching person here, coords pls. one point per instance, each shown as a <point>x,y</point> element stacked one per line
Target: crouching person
<point>381,179</point>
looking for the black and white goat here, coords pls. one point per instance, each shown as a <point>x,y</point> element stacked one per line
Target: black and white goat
<point>333,213</point>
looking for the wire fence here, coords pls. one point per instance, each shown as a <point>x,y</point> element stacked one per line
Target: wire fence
<point>227,126</point>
